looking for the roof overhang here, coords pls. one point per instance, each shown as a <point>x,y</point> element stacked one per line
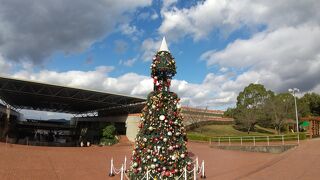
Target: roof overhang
<point>32,95</point>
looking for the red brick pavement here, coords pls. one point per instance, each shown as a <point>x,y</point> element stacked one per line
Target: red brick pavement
<point>68,163</point>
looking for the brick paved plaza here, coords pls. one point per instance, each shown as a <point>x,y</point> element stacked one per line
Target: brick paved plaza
<point>30,162</point>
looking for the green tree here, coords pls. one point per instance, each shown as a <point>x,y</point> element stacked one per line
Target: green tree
<point>312,101</point>
<point>109,135</point>
<point>230,112</point>
<point>250,106</point>
<point>280,108</point>
<point>109,132</point>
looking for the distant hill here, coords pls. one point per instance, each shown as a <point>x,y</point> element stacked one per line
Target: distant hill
<point>59,120</point>
<point>53,121</point>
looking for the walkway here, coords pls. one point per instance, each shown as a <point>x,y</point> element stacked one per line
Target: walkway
<point>28,162</point>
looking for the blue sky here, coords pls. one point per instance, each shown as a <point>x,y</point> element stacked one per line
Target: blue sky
<point>220,46</point>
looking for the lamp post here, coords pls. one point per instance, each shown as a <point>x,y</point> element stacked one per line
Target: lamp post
<point>293,92</point>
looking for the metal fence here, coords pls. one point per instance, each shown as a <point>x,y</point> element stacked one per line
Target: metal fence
<point>255,140</point>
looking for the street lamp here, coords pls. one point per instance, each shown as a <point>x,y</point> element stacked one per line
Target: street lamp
<point>293,92</point>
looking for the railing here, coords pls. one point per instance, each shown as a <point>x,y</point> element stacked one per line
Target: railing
<point>255,140</point>
<point>122,171</point>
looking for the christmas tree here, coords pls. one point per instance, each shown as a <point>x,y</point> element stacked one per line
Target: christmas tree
<point>160,145</point>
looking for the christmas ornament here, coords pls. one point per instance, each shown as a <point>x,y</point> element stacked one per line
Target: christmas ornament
<point>160,145</point>
<point>162,117</point>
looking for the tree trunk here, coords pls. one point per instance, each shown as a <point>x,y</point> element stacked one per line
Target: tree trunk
<point>249,129</point>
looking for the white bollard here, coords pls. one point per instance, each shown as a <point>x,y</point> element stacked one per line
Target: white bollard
<point>229,141</point>
<point>111,168</point>
<point>185,173</point>
<point>125,164</point>
<point>219,142</point>
<point>268,140</point>
<point>197,164</point>
<point>241,140</point>
<point>203,174</point>
<point>122,171</point>
<point>254,141</point>
<point>282,140</point>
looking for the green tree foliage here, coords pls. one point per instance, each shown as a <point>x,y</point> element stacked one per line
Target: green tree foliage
<point>256,105</point>
<point>280,108</point>
<point>312,103</point>
<point>109,135</point>
<point>230,112</point>
<point>250,106</point>
<point>253,96</point>
<point>109,132</point>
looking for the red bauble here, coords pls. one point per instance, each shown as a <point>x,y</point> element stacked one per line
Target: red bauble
<point>168,173</point>
<point>189,168</point>
<point>168,82</point>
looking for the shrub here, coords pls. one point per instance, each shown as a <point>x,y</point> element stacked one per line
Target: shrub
<point>109,136</point>
<point>109,132</point>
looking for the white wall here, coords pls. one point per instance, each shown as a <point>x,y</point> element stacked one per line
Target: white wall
<point>132,127</point>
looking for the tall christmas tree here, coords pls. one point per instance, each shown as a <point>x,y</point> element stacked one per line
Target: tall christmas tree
<point>160,146</point>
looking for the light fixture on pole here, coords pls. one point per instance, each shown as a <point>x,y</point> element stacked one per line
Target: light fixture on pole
<point>293,92</point>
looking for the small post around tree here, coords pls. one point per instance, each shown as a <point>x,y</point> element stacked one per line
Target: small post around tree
<point>122,172</point>
<point>203,174</point>
<point>111,168</point>
<point>185,173</point>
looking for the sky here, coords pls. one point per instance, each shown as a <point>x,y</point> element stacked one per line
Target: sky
<point>220,46</point>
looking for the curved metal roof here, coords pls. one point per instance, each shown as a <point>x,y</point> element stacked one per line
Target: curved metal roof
<point>23,94</point>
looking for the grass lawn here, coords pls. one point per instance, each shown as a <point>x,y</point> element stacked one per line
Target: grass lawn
<point>205,132</point>
<point>229,130</point>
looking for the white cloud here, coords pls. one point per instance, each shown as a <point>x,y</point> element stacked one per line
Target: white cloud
<point>285,54</point>
<point>35,29</point>
<point>228,15</point>
<point>5,66</point>
<point>128,62</point>
<point>149,47</point>
<point>282,58</point>
<point>167,3</point>
<point>154,16</point>
<point>130,30</point>
<point>212,92</point>
<point>43,115</point>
